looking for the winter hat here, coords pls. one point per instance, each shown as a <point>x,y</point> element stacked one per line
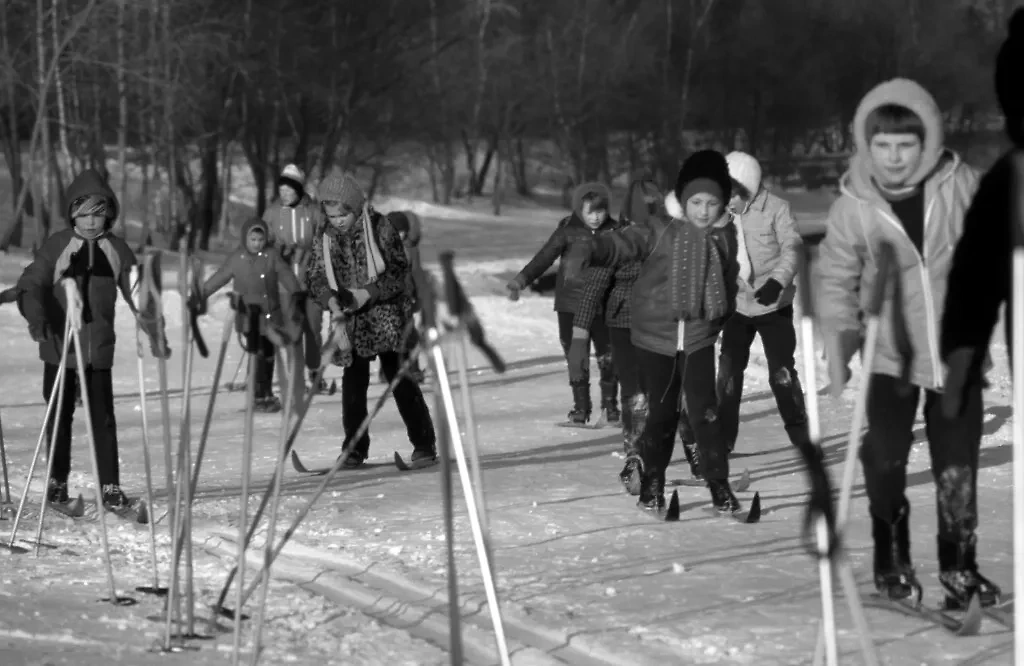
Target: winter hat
<point>293,177</point>
<point>706,171</point>
<point>745,170</point>
<point>399,220</point>
<point>1008,87</point>
<point>343,189</point>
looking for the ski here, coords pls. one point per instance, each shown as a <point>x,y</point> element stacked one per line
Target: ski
<point>73,508</point>
<point>596,425</point>
<point>1001,613</point>
<point>137,513</point>
<point>302,469</point>
<point>742,484</point>
<point>750,516</point>
<point>413,464</point>
<point>968,625</point>
<point>669,514</point>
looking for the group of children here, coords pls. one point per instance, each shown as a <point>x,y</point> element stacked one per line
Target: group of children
<point>716,263</point>
<point>713,259</point>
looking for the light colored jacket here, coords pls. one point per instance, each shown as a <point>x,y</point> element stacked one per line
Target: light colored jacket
<point>860,219</point>
<point>773,247</point>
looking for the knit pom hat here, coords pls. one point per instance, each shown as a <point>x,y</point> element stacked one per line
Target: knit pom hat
<point>293,177</point>
<point>706,171</point>
<point>342,188</point>
<point>745,170</point>
<point>1008,88</point>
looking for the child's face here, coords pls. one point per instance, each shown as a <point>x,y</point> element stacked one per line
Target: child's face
<point>255,240</point>
<point>288,194</point>
<point>896,157</point>
<point>92,225</point>
<point>593,216</point>
<point>702,209</point>
<point>340,216</point>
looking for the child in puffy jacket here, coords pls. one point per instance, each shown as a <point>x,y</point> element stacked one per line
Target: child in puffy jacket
<point>259,274</point>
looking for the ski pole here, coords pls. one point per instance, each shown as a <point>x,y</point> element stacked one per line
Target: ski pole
<point>155,588</point>
<point>51,405</point>
<point>243,496</point>
<point>72,295</point>
<point>289,388</point>
<point>3,462</point>
<point>230,386</point>
<point>1017,349</point>
<point>54,429</point>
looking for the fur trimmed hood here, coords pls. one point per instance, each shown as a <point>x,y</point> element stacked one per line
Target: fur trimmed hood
<point>676,211</point>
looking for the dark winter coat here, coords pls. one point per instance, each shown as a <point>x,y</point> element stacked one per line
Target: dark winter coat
<point>100,267</point>
<point>656,301</point>
<point>570,230</point>
<point>380,325</point>
<point>258,279</point>
<point>409,222</point>
<point>980,278</point>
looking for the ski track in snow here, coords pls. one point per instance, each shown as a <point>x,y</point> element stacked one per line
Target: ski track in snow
<point>570,549</point>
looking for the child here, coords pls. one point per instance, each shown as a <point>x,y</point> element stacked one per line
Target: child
<point>407,224</point>
<point>360,269</point>
<point>685,292</point>
<point>99,263</point>
<point>769,248</point>
<point>904,188</point>
<point>292,223</point>
<point>258,273</point>
<point>589,217</point>
<point>981,278</point>
<point>607,289</point>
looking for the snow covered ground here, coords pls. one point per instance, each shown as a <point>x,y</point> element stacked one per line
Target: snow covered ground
<point>583,579</point>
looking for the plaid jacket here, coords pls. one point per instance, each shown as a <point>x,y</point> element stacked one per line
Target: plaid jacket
<point>607,288</point>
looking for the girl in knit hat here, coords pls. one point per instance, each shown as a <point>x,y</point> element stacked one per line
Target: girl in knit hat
<point>906,189</point>
<point>769,248</point>
<point>682,297</point>
<point>292,222</point>
<point>359,270</point>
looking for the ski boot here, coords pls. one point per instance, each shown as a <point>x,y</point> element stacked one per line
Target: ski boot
<point>268,405</point>
<point>609,389</point>
<point>722,498</point>
<point>317,385</point>
<point>354,459</point>
<point>634,417</point>
<point>958,574</point>
<point>652,491</point>
<point>580,412</point>
<point>114,498</point>
<point>893,570</point>
<point>57,492</point>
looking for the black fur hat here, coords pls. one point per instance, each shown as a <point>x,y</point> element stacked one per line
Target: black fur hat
<point>704,171</point>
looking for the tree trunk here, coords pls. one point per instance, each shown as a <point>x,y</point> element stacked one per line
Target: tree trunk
<point>58,80</point>
<point>517,159</point>
<point>145,237</point>
<point>173,223</point>
<point>207,213</point>
<point>43,220</point>
<point>227,168</point>
<point>11,135</point>
<point>122,118</point>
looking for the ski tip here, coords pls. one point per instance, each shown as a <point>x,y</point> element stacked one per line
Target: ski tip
<point>971,622</point>
<point>400,463</point>
<point>77,508</point>
<point>672,512</point>
<point>142,514</point>
<point>297,464</point>
<point>754,515</point>
<point>333,388</point>
<point>743,483</point>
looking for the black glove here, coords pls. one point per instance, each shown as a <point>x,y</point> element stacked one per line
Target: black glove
<point>346,299</point>
<point>40,332</point>
<point>769,292</point>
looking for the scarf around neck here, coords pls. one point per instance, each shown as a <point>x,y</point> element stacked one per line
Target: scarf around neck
<point>703,272</point>
<point>374,259</point>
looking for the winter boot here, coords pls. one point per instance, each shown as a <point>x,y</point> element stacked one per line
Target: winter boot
<point>581,407</point>
<point>609,389</point>
<point>633,420</point>
<point>894,573</point>
<point>424,454</point>
<point>317,385</point>
<point>57,492</point>
<point>693,458</point>
<point>114,498</point>
<point>354,459</point>
<point>722,497</point>
<point>268,405</point>
<point>652,491</point>
<point>958,574</point>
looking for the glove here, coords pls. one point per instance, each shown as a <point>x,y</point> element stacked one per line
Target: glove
<point>352,300</point>
<point>579,359</point>
<point>961,364</point>
<point>576,260</point>
<point>157,350</point>
<point>40,332</point>
<point>840,348</point>
<point>514,287</point>
<point>769,292</point>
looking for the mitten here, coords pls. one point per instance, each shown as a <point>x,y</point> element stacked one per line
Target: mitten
<point>769,292</point>
<point>514,287</point>
<point>40,331</point>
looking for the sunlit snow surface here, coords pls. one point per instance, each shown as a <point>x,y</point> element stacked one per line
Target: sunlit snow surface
<point>572,553</point>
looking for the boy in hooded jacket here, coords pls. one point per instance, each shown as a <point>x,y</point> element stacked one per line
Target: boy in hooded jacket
<point>292,222</point>
<point>588,219</point>
<point>905,188</point>
<point>99,263</point>
<point>769,248</point>
<point>259,274</point>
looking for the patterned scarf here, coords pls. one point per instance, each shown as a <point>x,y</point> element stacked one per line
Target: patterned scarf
<point>374,259</point>
<point>701,266</point>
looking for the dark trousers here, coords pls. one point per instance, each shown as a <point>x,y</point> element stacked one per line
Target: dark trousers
<point>778,337</point>
<point>624,361</point>
<point>99,389</point>
<point>598,335</point>
<point>954,446</point>
<point>265,355</point>
<point>663,377</point>
<point>312,340</point>
<point>408,398</point>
